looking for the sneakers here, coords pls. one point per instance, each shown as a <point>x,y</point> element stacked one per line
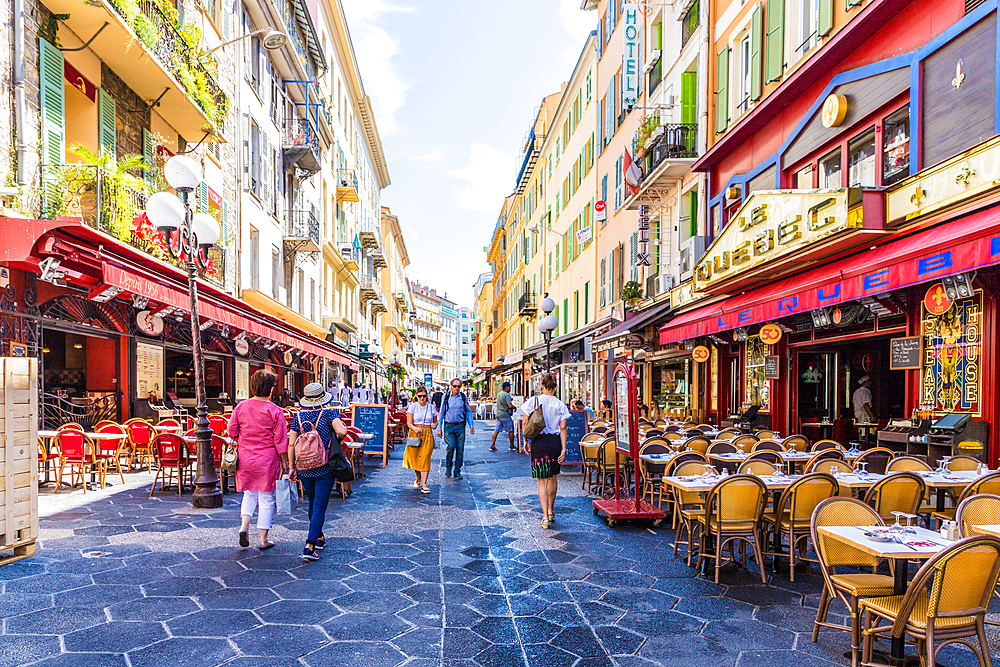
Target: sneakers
<point>320,543</point>
<point>493,449</point>
<point>447,473</point>
<point>309,554</point>
<point>458,476</point>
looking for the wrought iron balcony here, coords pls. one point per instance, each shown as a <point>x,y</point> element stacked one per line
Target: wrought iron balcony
<point>300,146</point>
<point>347,185</point>
<point>378,306</point>
<point>378,259</point>
<point>368,238</point>
<point>527,305</point>
<point>689,23</point>
<point>302,232</point>
<point>369,288</point>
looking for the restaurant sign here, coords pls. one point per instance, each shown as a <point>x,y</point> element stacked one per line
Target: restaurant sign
<point>772,225</point>
<point>962,178</point>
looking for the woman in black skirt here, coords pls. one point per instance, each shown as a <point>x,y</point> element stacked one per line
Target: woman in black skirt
<point>548,449</point>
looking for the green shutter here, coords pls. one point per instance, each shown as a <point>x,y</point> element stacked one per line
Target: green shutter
<point>107,135</point>
<point>53,122</point>
<point>722,91</point>
<point>224,223</point>
<point>755,44</point>
<point>774,44</point>
<point>149,157</point>
<point>693,209</point>
<point>825,17</point>
<point>586,303</point>
<point>203,197</point>
<point>689,97</point>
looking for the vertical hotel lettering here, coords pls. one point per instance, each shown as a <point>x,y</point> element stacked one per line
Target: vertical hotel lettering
<point>630,55</point>
<point>642,257</point>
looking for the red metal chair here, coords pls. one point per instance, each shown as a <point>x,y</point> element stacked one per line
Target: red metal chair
<point>73,449</point>
<point>218,423</point>
<point>171,456</point>
<point>72,426</point>
<point>45,455</point>
<point>110,451</point>
<point>140,437</point>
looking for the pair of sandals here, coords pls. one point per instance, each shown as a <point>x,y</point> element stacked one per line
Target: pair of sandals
<point>245,542</point>
<point>549,518</point>
<point>423,489</point>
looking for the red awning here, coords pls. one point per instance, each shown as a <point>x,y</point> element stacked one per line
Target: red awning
<point>962,245</point>
<point>120,265</point>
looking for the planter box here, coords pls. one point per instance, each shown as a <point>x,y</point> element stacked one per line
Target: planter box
<point>19,455</point>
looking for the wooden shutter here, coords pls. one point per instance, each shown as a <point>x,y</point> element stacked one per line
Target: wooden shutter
<point>53,122</point>
<point>774,42</point>
<point>227,22</point>
<point>248,54</point>
<point>693,210</point>
<point>755,45</point>
<point>106,132</point>
<point>722,91</point>
<point>149,157</point>
<point>203,197</point>
<point>633,255</point>
<point>825,18</point>
<point>689,97</point>
<point>604,277</point>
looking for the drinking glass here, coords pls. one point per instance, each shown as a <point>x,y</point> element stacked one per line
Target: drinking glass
<point>862,468</point>
<point>897,527</point>
<point>739,449</point>
<point>911,530</point>
<point>834,470</point>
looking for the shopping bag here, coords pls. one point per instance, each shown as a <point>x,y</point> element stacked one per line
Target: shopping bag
<point>286,496</point>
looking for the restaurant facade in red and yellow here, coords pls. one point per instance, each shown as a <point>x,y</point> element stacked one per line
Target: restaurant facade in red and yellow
<point>854,205</point>
<point>109,323</point>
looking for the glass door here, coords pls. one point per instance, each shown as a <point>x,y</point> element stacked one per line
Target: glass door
<point>816,386</point>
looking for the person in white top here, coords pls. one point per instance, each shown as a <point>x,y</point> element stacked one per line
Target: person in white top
<point>548,449</point>
<point>421,419</point>
<point>862,402</point>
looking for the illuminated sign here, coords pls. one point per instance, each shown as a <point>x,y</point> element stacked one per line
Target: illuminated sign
<point>961,178</point>
<point>642,257</point>
<point>772,225</point>
<point>770,334</point>
<point>700,354</point>
<point>834,110</point>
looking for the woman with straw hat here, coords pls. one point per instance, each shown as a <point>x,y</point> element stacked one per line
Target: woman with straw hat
<point>317,482</point>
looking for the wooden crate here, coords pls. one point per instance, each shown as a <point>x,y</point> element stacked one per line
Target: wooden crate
<point>18,458</point>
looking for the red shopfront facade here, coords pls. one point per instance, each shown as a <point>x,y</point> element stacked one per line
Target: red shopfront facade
<point>912,165</point>
<point>110,327</point>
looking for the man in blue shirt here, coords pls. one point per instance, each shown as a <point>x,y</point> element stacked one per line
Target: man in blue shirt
<point>455,414</point>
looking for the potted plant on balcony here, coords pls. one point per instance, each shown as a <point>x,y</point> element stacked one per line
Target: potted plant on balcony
<point>631,294</point>
<point>104,190</point>
<point>640,144</point>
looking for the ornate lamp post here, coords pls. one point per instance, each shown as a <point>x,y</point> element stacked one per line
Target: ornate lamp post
<point>546,326</point>
<point>194,235</point>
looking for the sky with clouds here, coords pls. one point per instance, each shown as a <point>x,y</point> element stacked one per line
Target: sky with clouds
<point>455,85</point>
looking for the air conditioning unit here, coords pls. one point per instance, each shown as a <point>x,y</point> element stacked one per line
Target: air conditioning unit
<point>652,283</point>
<point>666,282</point>
<point>691,251</point>
<point>346,251</point>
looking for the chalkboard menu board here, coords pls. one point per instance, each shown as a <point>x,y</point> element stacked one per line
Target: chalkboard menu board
<point>576,428</point>
<point>771,367</point>
<point>373,419</point>
<point>904,353</point>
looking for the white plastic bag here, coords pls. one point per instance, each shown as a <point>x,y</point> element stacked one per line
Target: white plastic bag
<point>286,496</point>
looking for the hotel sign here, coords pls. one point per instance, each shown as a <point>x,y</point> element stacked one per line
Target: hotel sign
<point>630,55</point>
<point>772,225</point>
<point>963,177</point>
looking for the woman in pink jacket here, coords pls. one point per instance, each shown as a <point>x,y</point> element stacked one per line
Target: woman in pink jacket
<point>259,428</point>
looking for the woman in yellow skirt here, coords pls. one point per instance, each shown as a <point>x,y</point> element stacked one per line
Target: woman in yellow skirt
<point>421,418</point>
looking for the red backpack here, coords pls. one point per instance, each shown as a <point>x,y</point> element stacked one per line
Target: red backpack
<point>310,452</point>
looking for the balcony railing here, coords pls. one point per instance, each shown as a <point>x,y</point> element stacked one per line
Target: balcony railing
<point>369,288</point>
<point>654,144</point>
<point>302,231</point>
<point>347,185</point>
<point>114,203</point>
<point>194,71</point>
<point>689,23</point>
<point>526,305</point>
<point>300,145</point>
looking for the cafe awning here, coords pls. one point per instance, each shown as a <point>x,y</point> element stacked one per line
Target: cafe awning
<point>967,244</point>
<point>559,342</point>
<point>636,324</point>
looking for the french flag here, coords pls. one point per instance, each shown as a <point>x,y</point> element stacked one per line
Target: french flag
<point>631,173</point>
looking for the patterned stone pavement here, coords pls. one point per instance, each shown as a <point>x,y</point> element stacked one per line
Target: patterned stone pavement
<point>462,577</point>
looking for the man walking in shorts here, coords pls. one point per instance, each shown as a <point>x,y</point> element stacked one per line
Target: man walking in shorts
<point>505,408</point>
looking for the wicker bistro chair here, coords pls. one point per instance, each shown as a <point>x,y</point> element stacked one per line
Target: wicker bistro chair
<point>590,451</point>
<point>673,436</point>
<point>945,602</point>
<point>73,452</point>
<point>982,509</point>
<point>170,457</point>
<point>605,470</point>
<point>770,457</point>
<point>652,473</point>
<point>792,514</point>
<point>766,435</point>
<point>769,445</point>
<point>821,445</point>
<point>748,441</point>
<point>876,458</point>
<point>828,465</point>
<point>896,492</point>
<point>963,462</point>
<point>721,447</point>
<point>688,505</point>
<point>698,443</point>
<point>797,442</point>
<point>907,464</point>
<point>833,554</point>
<point>985,484</point>
<point>733,511</point>
<point>825,455</point>
<point>727,435</point>
<point>756,466</point>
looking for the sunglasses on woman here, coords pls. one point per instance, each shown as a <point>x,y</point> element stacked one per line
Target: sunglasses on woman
<point>421,395</point>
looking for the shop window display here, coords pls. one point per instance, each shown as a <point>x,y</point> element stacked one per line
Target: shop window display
<point>861,160</point>
<point>757,388</point>
<point>896,151</point>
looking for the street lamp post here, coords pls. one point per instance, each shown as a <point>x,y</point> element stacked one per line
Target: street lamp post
<point>196,233</point>
<point>546,326</point>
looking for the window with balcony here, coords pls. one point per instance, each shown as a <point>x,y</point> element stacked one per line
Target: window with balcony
<point>744,74</point>
<point>689,23</point>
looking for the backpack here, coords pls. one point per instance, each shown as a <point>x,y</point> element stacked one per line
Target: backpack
<point>443,408</point>
<point>310,451</point>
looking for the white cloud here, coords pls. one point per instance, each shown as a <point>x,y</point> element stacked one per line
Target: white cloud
<point>374,48</point>
<point>489,179</point>
<point>577,23</point>
<point>411,234</point>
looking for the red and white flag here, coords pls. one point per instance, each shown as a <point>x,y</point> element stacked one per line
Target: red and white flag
<point>631,173</point>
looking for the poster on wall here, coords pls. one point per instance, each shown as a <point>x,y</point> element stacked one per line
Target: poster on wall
<point>148,370</point>
<point>242,380</point>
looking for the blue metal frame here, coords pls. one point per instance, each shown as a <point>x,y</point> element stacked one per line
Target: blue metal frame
<point>913,59</point>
